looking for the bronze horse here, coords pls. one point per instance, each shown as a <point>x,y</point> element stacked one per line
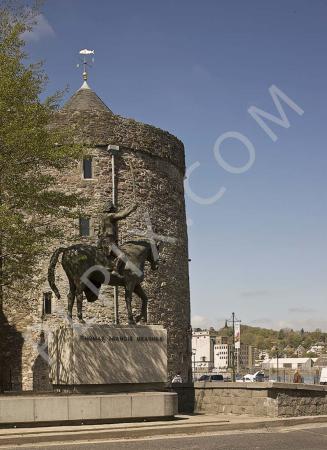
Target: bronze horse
<point>87,267</point>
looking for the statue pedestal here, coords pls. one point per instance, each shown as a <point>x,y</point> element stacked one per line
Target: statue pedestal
<point>108,358</point>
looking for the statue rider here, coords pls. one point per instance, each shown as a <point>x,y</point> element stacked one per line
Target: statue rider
<point>108,228</point>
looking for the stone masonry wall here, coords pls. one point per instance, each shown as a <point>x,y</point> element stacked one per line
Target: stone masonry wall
<point>309,401</point>
<point>234,400</point>
<point>103,128</point>
<point>150,168</point>
<point>254,399</point>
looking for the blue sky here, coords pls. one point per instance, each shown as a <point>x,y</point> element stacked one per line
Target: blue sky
<point>194,68</point>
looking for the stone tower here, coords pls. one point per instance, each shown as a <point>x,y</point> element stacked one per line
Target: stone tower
<point>150,170</point>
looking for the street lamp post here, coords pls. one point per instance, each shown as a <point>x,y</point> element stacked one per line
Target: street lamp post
<point>232,321</point>
<point>114,150</point>
<point>276,346</point>
<point>193,354</point>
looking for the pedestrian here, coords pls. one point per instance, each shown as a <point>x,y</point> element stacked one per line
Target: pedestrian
<point>297,378</point>
<point>177,378</point>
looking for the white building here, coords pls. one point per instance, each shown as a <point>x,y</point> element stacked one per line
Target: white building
<point>223,356</point>
<point>318,349</point>
<point>263,355</point>
<point>203,350</point>
<point>210,351</point>
<point>288,363</point>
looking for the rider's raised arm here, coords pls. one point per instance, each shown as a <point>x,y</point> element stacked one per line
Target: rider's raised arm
<point>125,212</point>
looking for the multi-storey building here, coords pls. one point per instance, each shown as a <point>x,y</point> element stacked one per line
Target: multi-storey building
<point>203,343</point>
<point>223,356</point>
<point>211,351</point>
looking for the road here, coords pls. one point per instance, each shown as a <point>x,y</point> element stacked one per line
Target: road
<point>295,438</point>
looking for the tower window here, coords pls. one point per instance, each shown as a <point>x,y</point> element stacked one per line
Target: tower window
<point>47,297</point>
<point>84,226</point>
<point>87,168</point>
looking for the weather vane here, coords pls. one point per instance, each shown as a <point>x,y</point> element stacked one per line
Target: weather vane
<point>86,61</point>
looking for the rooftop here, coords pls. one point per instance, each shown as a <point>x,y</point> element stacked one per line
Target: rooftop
<point>85,100</point>
<point>289,360</point>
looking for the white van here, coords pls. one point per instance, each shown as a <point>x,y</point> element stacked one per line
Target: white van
<point>323,376</point>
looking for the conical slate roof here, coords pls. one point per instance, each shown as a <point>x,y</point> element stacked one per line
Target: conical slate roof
<point>85,100</point>
<point>92,123</point>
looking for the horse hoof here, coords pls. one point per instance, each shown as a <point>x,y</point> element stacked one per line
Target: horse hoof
<point>140,318</point>
<point>81,320</point>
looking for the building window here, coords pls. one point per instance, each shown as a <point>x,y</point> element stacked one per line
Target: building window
<point>87,167</point>
<point>84,226</point>
<point>46,307</point>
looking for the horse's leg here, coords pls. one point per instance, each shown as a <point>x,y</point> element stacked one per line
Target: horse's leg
<point>129,288</point>
<point>71,298</point>
<point>144,308</point>
<point>79,299</point>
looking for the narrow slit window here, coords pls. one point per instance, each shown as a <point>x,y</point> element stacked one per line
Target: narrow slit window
<point>87,168</point>
<point>84,226</point>
<point>47,303</point>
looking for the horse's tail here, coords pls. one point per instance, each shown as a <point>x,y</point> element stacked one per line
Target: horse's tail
<point>51,270</point>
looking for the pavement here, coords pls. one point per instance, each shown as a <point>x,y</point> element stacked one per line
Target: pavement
<point>279,439</point>
<point>204,427</point>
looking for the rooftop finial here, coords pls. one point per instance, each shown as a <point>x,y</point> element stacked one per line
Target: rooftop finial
<point>86,63</point>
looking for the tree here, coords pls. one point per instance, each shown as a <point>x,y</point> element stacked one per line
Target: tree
<point>308,341</point>
<point>295,339</point>
<point>281,334</point>
<point>29,197</point>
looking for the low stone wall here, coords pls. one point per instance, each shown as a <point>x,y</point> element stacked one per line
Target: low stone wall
<point>255,399</point>
<point>309,401</point>
<point>52,409</point>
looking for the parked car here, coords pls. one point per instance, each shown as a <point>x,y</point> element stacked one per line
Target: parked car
<point>246,379</point>
<point>249,378</point>
<point>323,376</point>
<point>259,377</point>
<point>211,378</point>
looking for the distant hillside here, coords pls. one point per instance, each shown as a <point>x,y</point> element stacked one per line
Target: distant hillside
<point>264,338</point>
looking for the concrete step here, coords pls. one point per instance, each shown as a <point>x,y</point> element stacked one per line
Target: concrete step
<point>181,425</point>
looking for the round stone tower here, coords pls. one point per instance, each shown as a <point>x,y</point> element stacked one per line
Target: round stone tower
<point>149,168</point>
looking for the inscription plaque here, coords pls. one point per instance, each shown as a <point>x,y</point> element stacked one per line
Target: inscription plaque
<point>104,354</point>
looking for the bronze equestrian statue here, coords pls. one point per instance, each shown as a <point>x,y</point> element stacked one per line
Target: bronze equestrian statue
<point>88,267</point>
<point>77,261</point>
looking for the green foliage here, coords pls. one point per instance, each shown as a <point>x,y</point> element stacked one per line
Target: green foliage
<point>283,341</point>
<point>30,202</point>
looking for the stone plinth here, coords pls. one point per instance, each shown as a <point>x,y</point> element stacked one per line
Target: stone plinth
<point>52,409</point>
<point>108,355</point>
